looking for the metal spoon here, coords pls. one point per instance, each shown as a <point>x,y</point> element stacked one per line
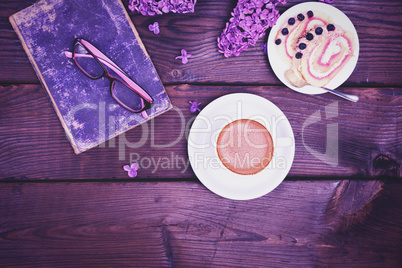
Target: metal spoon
<point>349,97</point>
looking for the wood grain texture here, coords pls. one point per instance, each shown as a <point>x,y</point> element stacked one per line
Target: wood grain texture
<point>63,210</point>
<point>378,25</point>
<point>182,224</point>
<point>34,146</point>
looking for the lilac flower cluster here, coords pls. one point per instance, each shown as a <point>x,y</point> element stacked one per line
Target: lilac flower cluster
<point>152,7</point>
<point>250,19</point>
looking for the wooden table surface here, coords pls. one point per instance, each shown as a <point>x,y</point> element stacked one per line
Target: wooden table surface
<point>61,209</point>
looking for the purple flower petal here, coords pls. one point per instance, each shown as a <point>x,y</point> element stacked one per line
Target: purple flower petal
<point>184,56</point>
<point>264,47</point>
<point>134,166</point>
<point>194,106</point>
<point>184,60</point>
<point>154,27</point>
<point>132,173</point>
<point>131,170</point>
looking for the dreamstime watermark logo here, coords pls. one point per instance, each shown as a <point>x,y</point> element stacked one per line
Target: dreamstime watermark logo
<point>108,124</point>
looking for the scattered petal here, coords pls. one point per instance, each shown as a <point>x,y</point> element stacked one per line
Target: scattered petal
<point>131,170</point>
<point>132,173</point>
<point>154,27</point>
<point>134,166</point>
<point>264,47</point>
<point>184,56</point>
<point>194,106</point>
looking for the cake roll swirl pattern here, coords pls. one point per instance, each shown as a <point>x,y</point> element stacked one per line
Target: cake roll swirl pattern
<point>314,47</point>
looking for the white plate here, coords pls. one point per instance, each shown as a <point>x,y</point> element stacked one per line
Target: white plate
<point>279,67</point>
<point>204,157</point>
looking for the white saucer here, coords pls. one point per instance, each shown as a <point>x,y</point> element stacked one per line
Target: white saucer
<point>203,154</point>
<point>279,67</point>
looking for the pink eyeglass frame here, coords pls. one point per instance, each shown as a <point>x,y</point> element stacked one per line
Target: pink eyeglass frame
<point>103,60</point>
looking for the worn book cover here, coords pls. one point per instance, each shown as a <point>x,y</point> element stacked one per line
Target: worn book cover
<point>87,111</point>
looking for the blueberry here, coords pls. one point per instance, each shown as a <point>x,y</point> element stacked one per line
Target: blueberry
<point>299,55</point>
<point>291,21</point>
<point>309,36</point>
<point>330,27</point>
<point>302,46</point>
<point>310,13</point>
<point>300,17</point>
<point>285,31</point>
<point>318,30</point>
<point>278,41</point>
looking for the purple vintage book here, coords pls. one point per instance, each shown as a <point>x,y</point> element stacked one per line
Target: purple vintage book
<point>87,111</point>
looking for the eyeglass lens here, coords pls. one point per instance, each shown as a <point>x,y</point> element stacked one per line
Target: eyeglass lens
<point>127,96</point>
<point>87,63</point>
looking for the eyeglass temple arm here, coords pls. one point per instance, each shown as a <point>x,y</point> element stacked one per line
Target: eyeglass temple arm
<point>117,70</point>
<point>108,64</point>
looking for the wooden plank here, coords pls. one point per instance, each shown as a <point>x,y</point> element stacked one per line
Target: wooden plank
<point>379,61</point>
<point>34,146</point>
<point>181,224</point>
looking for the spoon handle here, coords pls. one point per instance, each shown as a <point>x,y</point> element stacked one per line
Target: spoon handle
<point>350,97</point>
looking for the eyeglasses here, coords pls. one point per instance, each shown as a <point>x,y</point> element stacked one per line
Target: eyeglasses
<point>124,90</point>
